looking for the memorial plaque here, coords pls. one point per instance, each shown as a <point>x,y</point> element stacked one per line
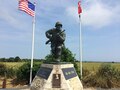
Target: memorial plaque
<point>56,81</point>
<point>44,72</point>
<point>69,73</point>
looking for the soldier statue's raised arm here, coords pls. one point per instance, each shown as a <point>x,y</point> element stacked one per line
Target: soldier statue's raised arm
<point>56,38</point>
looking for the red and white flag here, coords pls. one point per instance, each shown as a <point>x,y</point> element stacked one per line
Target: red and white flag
<point>27,7</point>
<point>79,8</point>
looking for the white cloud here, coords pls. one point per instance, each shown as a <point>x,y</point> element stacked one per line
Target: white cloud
<point>11,16</point>
<point>7,13</point>
<point>96,14</point>
<point>72,12</point>
<point>8,17</point>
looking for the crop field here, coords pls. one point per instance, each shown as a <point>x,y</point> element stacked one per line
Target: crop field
<point>13,64</point>
<point>95,66</point>
<point>92,66</point>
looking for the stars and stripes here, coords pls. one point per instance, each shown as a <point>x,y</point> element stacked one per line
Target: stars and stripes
<point>27,7</point>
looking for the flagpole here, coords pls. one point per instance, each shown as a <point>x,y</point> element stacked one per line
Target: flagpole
<point>80,45</point>
<point>33,32</point>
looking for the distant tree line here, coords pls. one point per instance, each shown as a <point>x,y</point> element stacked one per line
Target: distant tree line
<point>16,59</point>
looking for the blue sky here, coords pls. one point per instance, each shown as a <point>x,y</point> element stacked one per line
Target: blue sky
<point>100,28</point>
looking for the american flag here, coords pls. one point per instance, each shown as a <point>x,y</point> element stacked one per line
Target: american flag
<point>27,7</point>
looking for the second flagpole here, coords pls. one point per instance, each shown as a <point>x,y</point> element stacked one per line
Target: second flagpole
<point>80,45</point>
<point>80,39</point>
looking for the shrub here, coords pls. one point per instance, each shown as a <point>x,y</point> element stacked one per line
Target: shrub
<point>85,72</point>
<point>107,74</point>
<point>66,56</point>
<point>23,74</point>
<point>9,72</point>
<point>2,69</point>
<point>106,71</point>
<point>89,80</point>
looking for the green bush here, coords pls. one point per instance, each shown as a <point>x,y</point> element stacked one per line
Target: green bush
<point>89,80</point>
<point>23,73</point>
<point>66,56</point>
<point>106,71</point>
<point>2,69</point>
<point>9,72</point>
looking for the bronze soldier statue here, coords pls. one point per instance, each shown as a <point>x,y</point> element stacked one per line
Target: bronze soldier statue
<point>56,38</point>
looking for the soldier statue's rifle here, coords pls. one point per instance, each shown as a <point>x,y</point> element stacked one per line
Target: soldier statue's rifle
<point>57,34</point>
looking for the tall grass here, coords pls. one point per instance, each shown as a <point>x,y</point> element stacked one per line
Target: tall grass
<point>106,76</point>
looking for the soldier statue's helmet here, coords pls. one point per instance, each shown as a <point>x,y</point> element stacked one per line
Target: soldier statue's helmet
<point>58,23</point>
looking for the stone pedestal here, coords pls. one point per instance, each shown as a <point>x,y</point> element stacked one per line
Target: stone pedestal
<point>56,77</point>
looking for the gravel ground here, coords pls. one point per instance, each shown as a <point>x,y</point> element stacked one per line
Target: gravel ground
<point>100,89</point>
<point>27,88</point>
